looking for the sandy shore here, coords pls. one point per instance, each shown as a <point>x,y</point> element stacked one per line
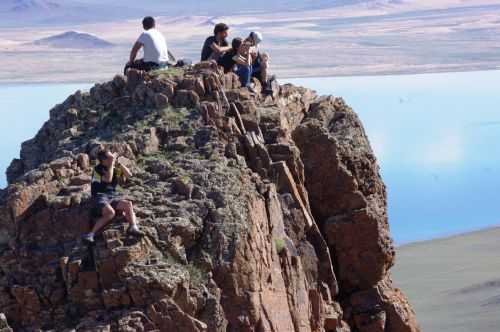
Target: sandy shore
<point>453,283</point>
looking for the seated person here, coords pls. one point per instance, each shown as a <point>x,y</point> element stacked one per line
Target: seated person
<point>260,60</point>
<point>239,59</point>
<point>154,45</point>
<point>243,60</point>
<point>215,46</point>
<point>227,60</point>
<point>107,202</point>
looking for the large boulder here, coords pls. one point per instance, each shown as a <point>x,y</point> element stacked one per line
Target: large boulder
<point>260,214</point>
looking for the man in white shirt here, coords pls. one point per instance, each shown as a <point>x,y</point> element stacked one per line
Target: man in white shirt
<point>154,46</point>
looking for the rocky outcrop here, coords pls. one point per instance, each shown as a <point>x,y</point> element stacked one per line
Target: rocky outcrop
<point>261,213</point>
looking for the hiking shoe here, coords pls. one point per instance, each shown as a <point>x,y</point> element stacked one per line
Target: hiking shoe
<point>88,238</point>
<point>268,91</point>
<point>251,88</point>
<point>135,231</point>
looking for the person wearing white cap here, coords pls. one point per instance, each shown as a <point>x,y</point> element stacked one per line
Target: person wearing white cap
<point>260,60</point>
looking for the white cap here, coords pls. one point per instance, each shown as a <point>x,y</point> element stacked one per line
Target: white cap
<point>256,36</point>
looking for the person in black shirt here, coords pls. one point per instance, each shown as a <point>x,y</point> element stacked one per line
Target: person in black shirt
<point>107,202</point>
<point>227,60</point>
<point>215,46</point>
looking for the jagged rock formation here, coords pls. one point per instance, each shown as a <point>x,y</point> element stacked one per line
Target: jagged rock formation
<point>261,214</point>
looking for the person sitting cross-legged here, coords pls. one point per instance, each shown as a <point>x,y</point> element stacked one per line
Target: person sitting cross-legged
<point>107,202</point>
<point>154,46</point>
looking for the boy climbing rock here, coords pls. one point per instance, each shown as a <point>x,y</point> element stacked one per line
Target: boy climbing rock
<point>107,202</point>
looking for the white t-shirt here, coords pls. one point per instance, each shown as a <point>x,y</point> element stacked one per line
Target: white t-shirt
<point>154,46</point>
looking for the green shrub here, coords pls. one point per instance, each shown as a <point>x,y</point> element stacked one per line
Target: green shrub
<point>280,245</point>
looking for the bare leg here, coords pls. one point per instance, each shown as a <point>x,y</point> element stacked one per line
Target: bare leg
<point>128,210</point>
<point>107,214</point>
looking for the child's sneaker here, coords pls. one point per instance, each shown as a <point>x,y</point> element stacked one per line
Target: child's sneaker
<point>135,231</point>
<point>88,238</point>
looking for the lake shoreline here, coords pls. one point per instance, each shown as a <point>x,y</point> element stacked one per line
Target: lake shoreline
<point>4,84</point>
<point>449,237</point>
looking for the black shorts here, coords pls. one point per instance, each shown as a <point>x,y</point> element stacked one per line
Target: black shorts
<point>101,200</point>
<point>144,66</point>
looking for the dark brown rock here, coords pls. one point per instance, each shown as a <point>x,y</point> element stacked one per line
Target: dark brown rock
<point>164,86</point>
<point>134,78</point>
<point>161,100</point>
<point>186,98</point>
<point>183,186</point>
<point>348,200</point>
<point>83,161</point>
<point>212,113</point>
<point>259,214</point>
<point>80,180</point>
<point>193,83</point>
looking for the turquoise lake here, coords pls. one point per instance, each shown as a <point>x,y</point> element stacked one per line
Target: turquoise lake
<point>436,136</point>
<point>23,110</point>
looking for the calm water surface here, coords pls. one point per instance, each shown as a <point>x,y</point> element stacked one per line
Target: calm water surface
<point>23,110</point>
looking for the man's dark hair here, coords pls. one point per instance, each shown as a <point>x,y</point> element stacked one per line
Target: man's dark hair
<point>236,43</point>
<point>220,27</point>
<point>148,23</point>
<point>102,155</point>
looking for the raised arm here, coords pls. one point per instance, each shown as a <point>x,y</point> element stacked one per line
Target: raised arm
<point>125,169</point>
<point>243,57</point>
<point>219,49</point>
<point>135,49</point>
<point>108,175</point>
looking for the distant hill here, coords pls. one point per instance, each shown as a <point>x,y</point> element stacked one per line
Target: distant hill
<point>16,13</point>
<point>57,12</point>
<point>218,7</point>
<point>32,5</point>
<point>73,39</point>
<point>24,6</point>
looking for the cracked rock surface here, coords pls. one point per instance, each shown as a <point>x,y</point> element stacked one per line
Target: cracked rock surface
<point>261,213</point>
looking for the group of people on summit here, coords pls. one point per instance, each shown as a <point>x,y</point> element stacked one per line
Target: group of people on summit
<point>242,57</point>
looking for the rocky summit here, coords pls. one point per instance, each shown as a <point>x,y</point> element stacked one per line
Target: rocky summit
<point>261,213</point>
